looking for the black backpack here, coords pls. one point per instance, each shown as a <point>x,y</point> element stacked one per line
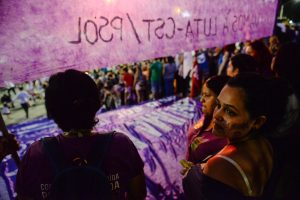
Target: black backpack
<point>79,180</point>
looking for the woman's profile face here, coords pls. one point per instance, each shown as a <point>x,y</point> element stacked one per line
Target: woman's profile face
<point>208,100</point>
<point>231,118</point>
<point>231,71</point>
<point>250,51</point>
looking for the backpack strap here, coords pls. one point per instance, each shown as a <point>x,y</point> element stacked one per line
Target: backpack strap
<point>95,157</point>
<point>54,153</point>
<point>98,151</point>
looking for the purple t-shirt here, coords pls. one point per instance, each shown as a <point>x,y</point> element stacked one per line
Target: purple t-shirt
<point>202,144</point>
<point>121,163</point>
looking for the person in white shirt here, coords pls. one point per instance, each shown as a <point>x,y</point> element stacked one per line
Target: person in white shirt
<point>188,60</point>
<point>5,110</point>
<point>24,98</point>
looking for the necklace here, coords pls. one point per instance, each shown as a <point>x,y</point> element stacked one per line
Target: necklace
<point>78,133</point>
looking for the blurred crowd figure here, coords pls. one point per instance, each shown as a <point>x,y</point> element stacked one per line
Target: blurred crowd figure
<point>22,95</point>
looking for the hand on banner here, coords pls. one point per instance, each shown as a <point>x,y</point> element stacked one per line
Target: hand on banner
<point>8,145</point>
<point>186,166</point>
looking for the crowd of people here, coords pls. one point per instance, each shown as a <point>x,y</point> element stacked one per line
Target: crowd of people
<point>243,147</point>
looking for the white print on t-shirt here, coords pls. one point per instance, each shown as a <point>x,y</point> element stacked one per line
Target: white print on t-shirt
<point>114,181</point>
<point>45,189</point>
<point>112,178</point>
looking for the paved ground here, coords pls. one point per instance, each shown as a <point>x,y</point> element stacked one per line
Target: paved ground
<point>18,115</point>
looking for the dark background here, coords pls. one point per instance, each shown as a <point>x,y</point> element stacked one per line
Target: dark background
<point>291,9</point>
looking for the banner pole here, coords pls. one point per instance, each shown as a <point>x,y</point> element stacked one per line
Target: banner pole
<point>5,133</point>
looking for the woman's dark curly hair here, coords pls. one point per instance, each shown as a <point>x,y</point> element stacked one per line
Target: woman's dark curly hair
<point>216,83</point>
<point>244,62</point>
<point>72,100</point>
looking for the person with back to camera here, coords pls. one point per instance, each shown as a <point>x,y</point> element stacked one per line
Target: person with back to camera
<point>201,142</point>
<point>245,113</point>
<point>72,100</point>
<point>241,63</point>
<point>24,97</point>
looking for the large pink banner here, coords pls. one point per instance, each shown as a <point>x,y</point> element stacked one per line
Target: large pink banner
<point>38,38</point>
